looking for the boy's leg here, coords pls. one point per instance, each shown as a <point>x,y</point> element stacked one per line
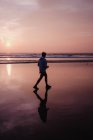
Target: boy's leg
<point>41,76</point>
<point>46,81</point>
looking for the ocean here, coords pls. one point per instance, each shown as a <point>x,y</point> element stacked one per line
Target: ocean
<point>51,57</point>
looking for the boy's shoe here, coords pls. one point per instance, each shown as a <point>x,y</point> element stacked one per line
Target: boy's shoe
<point>35,87</point>
<point>48,86</point>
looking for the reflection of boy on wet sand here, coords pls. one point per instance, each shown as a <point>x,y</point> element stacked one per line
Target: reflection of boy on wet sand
<point>42,109</point>
<point>42,63</point>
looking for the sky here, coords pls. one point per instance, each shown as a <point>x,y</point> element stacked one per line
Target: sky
<point>57,26</point>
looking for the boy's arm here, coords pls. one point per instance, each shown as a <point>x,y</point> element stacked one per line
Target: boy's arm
<point>46,66</point>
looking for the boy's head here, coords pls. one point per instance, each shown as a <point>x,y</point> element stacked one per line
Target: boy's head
<point>43,54</point>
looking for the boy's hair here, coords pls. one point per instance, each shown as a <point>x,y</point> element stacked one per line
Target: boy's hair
<point>43,54</point>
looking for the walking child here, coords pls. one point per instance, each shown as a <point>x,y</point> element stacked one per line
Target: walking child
<point>42,64</point>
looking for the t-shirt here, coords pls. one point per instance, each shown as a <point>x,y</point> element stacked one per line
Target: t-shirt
<point>42,63</point>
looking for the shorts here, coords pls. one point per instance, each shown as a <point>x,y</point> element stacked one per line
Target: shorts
<point>43,73</point>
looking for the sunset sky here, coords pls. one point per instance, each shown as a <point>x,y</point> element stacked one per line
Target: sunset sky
<point>46,25</point>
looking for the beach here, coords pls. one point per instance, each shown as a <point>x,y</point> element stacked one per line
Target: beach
<point>68,112</point>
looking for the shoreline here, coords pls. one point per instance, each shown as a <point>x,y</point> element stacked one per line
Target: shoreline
<point>49,61</point>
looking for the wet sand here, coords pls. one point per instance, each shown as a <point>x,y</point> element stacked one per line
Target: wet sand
<point>66,111</point>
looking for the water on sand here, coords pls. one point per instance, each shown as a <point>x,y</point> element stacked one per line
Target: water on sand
<point>66,110</point>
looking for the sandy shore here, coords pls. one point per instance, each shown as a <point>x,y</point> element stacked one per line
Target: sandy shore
<point>67,112</point>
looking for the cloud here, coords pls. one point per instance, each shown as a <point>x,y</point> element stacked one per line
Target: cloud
<point>16,8</point>
<point>67,4</point>
<point>14,13</point>
<point>33,3</point>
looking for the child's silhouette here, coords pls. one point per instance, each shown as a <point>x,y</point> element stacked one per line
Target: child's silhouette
<point>42,63</point>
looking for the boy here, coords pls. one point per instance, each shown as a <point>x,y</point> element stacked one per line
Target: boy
<point>42,63</point>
